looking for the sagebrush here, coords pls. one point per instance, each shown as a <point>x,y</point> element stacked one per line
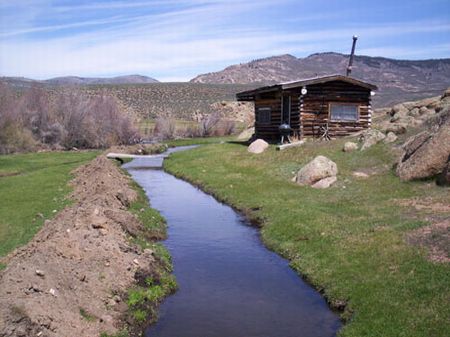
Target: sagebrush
<point>73,119</point>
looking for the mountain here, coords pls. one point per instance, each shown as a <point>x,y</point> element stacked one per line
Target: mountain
<point>397,80</point>
<point>127,79</point>
<point>75,80</point>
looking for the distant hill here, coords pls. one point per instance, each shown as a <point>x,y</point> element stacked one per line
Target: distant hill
<point>127,79</point>
<point>75,80</point>
<point>398,80</point>
<point>178,100</point>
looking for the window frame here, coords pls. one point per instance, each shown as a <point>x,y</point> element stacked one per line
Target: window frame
<point>358,114</point>
<point>266,108</point>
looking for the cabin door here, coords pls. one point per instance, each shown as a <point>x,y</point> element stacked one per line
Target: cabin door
<point>286,109</point>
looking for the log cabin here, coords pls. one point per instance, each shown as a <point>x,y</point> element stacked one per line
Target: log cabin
<point>328,107</point>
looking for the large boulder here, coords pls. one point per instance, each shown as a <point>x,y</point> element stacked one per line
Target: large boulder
<point>318,169</point>
<point>413,143</point>
<point>425,155</point>
<point>258,146</point>
<point>370,138</point>
<point>350,147</point>
<point>399,111</point>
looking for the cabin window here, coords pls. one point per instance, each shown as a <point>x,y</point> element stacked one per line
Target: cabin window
<point>263,115</point>
<point>344,112</point>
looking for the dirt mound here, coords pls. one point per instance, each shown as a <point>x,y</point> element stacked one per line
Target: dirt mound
<point>69,279</point>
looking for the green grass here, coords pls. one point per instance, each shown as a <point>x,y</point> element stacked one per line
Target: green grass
<point>347,240</point>
<point>154,223</point>
<point>199,141</point>
<point>33,186</point>
<point>143,299</point>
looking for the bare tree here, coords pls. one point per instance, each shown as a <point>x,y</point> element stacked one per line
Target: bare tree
<point>165,128</point>
<point>208,123</point>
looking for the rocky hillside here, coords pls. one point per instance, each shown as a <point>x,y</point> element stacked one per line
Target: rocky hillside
<point>398,80</point>
<point>425,152</point>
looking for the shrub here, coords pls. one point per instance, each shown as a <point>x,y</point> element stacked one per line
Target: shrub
<point>72,120</point>
<point>13,137</point>
<point>225,128</point>
<point>208,123</point>
<point>165,128</point>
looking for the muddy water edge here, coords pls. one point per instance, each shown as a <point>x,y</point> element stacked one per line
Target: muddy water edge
<point>229,283</point>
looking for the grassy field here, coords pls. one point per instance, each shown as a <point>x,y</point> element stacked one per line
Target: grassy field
<point>33,186</point>
<point>348,241</point>
<point>146,126</point>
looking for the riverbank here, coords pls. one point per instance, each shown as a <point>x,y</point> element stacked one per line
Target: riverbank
<point>349,241</point>
<point>90,269</point>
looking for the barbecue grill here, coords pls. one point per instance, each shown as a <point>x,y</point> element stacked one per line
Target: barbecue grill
<point>285,131</point>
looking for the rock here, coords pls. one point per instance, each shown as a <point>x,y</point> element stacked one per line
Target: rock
<point>350,146</point>
<point>258,146</point>
<point>246,134</point>
<point>400,110</point>
<point>371,137</point>
<point>35,288</point>
<point>446,93</point>
<point>123,198</point>
<point>414,112</point>
<point>425,111</point>
<point>40,273</point>
<point>425,155</point>
<point>148,251</point>
<point>325,183</point>
<point>390,138</point>
<point>319,168</point>
<point>414,142</point>
<point>52,292</point>
<point>360,175</point>
<point>397,128</point>
<point>97,225</point>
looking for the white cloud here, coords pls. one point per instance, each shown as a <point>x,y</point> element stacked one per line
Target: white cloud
<point>178,44</point>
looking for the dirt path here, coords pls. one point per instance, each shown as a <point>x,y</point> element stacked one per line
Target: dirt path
<point>69,279</point>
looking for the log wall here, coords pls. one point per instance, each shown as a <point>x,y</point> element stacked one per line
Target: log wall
<point>311,112</point>
<point>314,109</point>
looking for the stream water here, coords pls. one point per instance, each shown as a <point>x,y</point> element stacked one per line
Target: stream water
<point>230,285</point>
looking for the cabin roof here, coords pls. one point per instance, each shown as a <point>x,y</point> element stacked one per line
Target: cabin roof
<point>249,94</point>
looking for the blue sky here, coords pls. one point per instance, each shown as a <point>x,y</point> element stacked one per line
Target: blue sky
<point>174,40</point>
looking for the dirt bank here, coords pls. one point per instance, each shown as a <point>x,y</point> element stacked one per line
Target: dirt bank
<point>69,279</point>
